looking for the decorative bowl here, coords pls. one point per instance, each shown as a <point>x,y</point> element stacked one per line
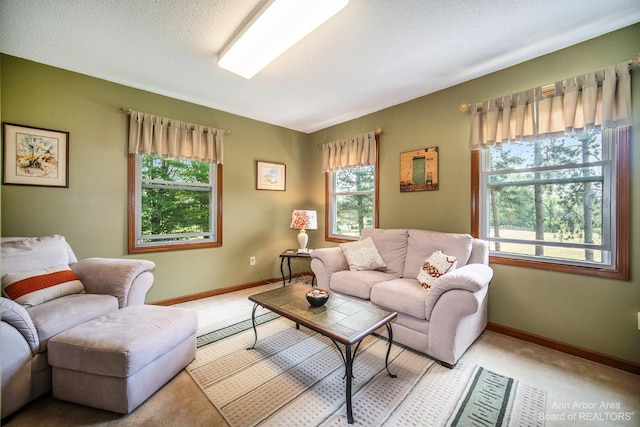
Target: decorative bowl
<point>317,297</point>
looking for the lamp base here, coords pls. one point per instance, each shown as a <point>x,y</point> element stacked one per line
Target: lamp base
<point>303,239</point>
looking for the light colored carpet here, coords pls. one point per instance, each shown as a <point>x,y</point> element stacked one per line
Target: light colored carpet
<point>572,383</point>
<point>296,377</point>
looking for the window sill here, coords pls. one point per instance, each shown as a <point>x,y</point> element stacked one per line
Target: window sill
<point>604,273</point>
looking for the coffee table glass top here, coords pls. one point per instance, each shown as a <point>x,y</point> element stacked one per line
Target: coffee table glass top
<point>344,319</point>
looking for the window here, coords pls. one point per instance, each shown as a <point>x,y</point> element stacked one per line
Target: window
<point>558,204</point>
<point>174,204</point>
<point>352,202</point>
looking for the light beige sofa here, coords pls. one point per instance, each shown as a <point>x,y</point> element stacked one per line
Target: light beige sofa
<point>109,284</point>
<point>442,321</point>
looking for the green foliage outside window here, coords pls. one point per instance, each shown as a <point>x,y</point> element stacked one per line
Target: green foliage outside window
<point>549,191</point>
<point>353,200</point>
<point>176,199</point>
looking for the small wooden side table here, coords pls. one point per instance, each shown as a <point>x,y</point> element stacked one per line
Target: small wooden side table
<point>293,253</point>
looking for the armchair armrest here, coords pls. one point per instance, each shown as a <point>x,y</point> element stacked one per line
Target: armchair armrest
<point>325,262</point>
<point>126,279</point>
<point>15,315</point>
<point>471,277</point>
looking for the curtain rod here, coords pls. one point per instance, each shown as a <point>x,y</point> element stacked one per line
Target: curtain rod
<point>128,111</point>
<point>464,107</point>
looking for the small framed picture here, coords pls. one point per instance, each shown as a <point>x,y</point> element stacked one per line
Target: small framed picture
<point>271,176</point>
<point>419,170</point>
<point>34,156</point>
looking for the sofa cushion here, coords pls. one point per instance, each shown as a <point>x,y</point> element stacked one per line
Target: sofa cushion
<point>392,245</point>
<point>39,286</point>
<point>63,313</point>
<point>362,255</point>
<point>35,253</point>
<point>357,283</point>
<point>435,266</point>
<point>401,295</point>
<point>422,243</point>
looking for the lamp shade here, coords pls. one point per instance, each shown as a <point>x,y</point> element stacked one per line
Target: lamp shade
<point>304,220</point>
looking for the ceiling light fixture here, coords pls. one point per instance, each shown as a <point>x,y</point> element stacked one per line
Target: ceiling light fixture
<point>278,25</point>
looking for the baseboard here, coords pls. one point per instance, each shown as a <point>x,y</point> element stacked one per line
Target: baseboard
<point>220,291</point>
<point>594,356</point>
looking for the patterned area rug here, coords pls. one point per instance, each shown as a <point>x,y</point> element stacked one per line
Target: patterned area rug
<point>295,377</point>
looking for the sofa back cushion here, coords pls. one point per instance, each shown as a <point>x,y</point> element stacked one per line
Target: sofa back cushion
<point>27,254</point>
<point>392,246</point>
<point>422,243</point>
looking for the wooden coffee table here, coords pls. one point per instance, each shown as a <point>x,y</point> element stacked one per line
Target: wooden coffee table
<point>344,320</point>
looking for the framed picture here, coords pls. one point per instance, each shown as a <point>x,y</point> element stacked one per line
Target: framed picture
<point>271,176</point>
<point>419,170</point>
<point>34,156</point>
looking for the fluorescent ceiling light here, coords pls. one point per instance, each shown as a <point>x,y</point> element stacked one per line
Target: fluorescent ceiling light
<point>277,26</point>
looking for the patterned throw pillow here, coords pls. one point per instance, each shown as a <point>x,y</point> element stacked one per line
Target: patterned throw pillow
<point>435,266</point>
<point>39,286</point>
<point>362,255</point>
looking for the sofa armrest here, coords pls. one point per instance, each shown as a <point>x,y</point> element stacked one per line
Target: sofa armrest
<point>15,315</point>
<point>126,279</point>
<point>471,277</point>
<point>458,318</point>
<point>325,262</point>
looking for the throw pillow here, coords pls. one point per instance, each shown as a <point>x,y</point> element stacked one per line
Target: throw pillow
<point>435,266</point>
<point>39,286</point>
<point>362,255</point>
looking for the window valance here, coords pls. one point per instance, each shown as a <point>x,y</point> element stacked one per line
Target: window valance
<point>597,99</point>
<point>349,152</point>
<point>160,136</point>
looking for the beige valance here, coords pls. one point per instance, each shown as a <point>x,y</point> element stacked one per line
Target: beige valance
<point>160,136</point>
<point>598,99</point>
<point>349,152</point>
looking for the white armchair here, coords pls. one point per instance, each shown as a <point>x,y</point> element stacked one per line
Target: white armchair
<point>107,285</point>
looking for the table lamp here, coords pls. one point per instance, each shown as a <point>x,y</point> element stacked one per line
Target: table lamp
<point>303,220</point>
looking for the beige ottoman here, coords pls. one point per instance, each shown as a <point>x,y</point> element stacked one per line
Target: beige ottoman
<point>119,360</point>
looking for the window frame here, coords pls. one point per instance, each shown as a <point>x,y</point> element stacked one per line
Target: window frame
<point>134,200</point>
<point>620,269</point>
<point>328,211</point>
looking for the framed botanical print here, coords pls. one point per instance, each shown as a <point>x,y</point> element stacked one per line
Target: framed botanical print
<point>35,156</point>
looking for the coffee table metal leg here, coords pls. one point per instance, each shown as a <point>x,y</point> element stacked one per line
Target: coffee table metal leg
<point>386,360</point>
<point>255,331</point>
<point>349,374</point>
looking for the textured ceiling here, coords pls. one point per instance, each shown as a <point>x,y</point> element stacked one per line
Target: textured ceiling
<point>372,55</point>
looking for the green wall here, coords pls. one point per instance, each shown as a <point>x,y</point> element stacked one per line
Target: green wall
<point>600,315</point>
<point>92,212</point>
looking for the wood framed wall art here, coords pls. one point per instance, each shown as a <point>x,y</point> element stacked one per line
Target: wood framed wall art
<point>271,176</point>
<point>419,170</point>
<point>35,156</point>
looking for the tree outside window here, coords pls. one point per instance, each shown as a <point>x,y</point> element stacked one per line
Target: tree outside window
<point>352,206</point>
<point>554,201</point>
<point>176,204</point>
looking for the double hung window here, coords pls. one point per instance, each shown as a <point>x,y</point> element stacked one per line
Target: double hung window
<point>551,200</point>
<point>351,186</point>
<point>352,201</point>
<point>175,203</point>
<point>551,173</point>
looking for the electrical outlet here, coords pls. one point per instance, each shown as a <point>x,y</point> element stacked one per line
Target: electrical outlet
<point>252,260</point>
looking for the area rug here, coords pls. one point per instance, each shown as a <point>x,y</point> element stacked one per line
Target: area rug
<point>295,377</point>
